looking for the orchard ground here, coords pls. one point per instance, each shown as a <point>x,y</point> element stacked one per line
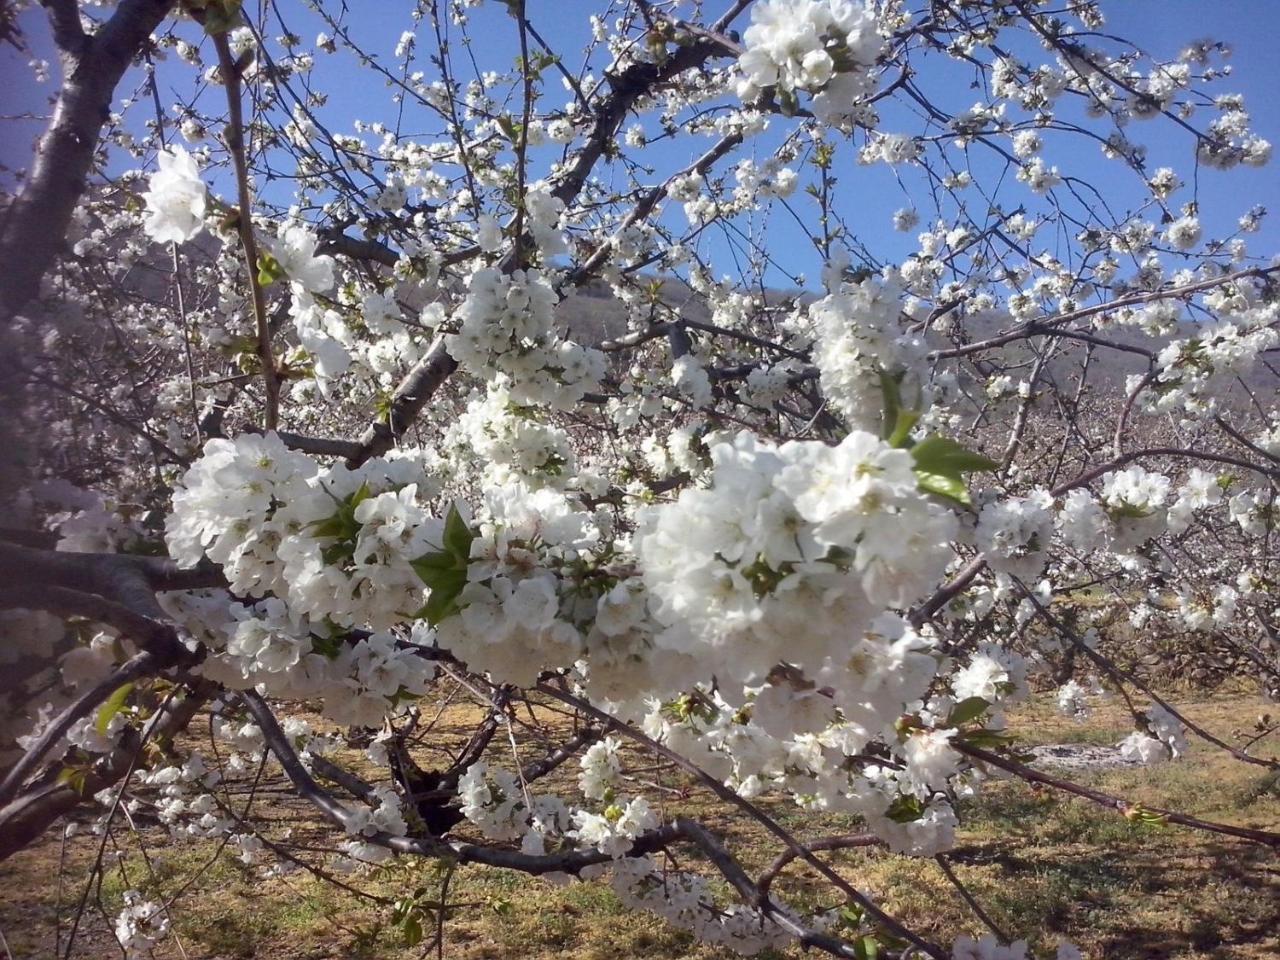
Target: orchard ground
<point>1123,890</point>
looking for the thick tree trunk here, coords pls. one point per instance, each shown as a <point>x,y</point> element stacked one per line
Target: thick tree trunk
<point>34,228</point>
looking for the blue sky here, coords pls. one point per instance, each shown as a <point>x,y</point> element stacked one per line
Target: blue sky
<point>870,194</point>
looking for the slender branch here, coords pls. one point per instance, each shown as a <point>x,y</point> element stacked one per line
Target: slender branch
<point>729,796</point>
<point>1107,800</point>
<point>140,665</point>
<point>568,862</point>
<point>645,206</point>
<point>960,581</point>
<point>317,446</point>
<point>421,383</point>
<point>120,580</point>
<point>146,632</point>
<point>234,136</point>
<point>969,898</point>
<point>32,812</point>
<point>1120,678</point>
<point>848,842</point>
<point>413,393</point>
<point>537,769</point>
<point>1048,325</point>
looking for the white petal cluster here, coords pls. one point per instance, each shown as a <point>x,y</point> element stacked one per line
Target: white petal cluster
<point>501,438</point>
<point>987,947</point>
<point>601,768</point>
<point>295,251</point>
<point>993,673</point>
<point>1168,729</point>
<point>226,498</point>
<point>175,198</point>
<point>496,802</point>
<point>803,752</point>
<point>1184,233</point>
<point>791,551</point>
<point>1199,491</point>
<point>1135,499</point>
<point>140,926</point>
<point>858,336</point>
<point>827,48</point>
<point>1194,372</point>
<point>615,830</point>
<point>931,760</point>
<point>511,628</point>
<point>507,327</point>
<point>1014,534</point>
<point>335,543</point>
<point>692,380</point>
<point>687,901</point>
<point>1082,521</point>
<point>1143,748</point>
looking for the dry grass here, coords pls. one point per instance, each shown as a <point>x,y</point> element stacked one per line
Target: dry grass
<point>1045,866</point>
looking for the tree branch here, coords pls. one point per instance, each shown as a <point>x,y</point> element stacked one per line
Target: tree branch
<point>1107,800</point>
<point>35,225</point>
<point>140,665</point>
<point>235,145</point>
<point>64,22</point>
<point>28,816</point>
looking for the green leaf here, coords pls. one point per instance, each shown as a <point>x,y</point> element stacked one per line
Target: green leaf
<point>866,948</point>
<point>457,535</point>
<point>449,584</point>
<point>442,603</point>
<point>941,464</point>
<point>891,402</point>
<point>445,571</point>
<point>508,127</point>
<point>445,575</point>
<point>328,647</point>
<point>987,739</point>
<point>905,809</point>
<point>901,435</point>
<point>1137,813</point>
<point>1128,511</point>
<point>439,577</point>
<point>966,710</point>
<point>269,269</point>
<point>852,915</point>
<point>335,526</point>
<point>111,706</point>
<point>788,103</point>
<point>220,16</point>
<point>412,930</point>
<point>362,493</point>
<point>953,488</point>
<point>430,564</point>
<point>936,454</point>
<point>74,777</point>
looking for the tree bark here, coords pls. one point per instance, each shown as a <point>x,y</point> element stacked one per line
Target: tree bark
<point>33,229</point>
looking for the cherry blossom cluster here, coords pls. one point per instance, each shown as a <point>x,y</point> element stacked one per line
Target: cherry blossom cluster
<point>858,337</point>
<point>820,47</point>
<point>687,901</point>
<point>506,327</point>
<point>141,925</point>
<point>714,521</point>
<point>801,533</point>
<point>336,543</point>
